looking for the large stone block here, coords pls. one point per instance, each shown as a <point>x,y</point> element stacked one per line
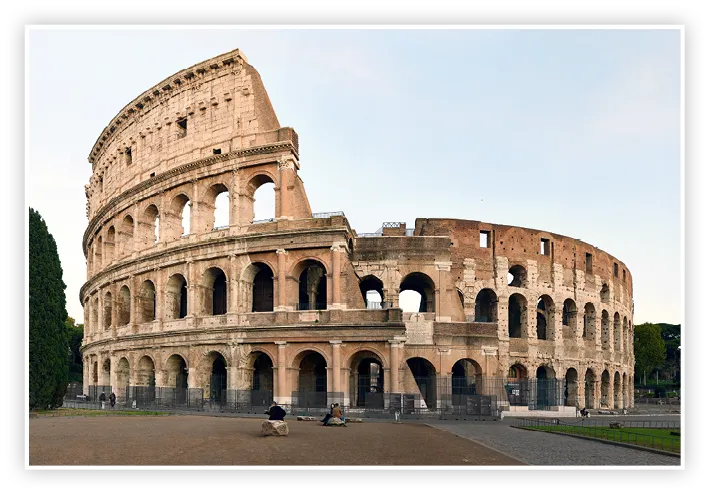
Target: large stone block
<point>274,428</point>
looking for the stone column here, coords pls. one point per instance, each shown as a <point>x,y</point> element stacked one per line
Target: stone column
<point>87,374</point>
<point>336,367</point>
<point>233,286</point>
<point>336,253</point>
<point>99,300</point>
<point>283,396</point>
<point>286,166</point>
<point>114,310</point>
<point>133,302</point>
<point>282,303</point>
<point>394,346</point>
<point>159,299</point>
<point>441,267</point>
<point>191,290</point>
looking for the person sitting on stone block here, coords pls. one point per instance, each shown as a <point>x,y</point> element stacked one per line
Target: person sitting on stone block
<point>276,412</point>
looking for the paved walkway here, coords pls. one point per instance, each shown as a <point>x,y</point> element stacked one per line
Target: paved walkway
<point>543,448</point>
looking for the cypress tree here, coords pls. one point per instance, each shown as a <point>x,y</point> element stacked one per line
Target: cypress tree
<point>48,338</point>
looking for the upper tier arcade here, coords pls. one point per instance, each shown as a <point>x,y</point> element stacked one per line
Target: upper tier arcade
<point>218,106</point>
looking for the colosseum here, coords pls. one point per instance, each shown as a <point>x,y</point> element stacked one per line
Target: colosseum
<point>184,305</point>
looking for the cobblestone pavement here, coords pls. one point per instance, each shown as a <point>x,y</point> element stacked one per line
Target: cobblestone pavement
<point>543,448</point>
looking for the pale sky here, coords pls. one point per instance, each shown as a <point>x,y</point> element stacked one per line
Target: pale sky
<point>576,132</point>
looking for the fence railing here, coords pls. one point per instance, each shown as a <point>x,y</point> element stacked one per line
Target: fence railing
<point>603,431</point>
<point>311,306</point>
<point>329,214</point>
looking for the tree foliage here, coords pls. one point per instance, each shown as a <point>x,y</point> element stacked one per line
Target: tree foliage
<point>650,350</point>
<point>76,335</point>
<point>48,335</point>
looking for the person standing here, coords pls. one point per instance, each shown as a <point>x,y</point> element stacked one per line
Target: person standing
<point>112,399</point>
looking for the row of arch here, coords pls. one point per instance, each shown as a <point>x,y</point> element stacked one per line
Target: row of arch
<point>149,225</point>
<point>366,385</point>
<point>210,295</point>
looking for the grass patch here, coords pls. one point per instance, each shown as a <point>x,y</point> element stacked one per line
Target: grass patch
<point>639,436</point>
<point>75,412</point>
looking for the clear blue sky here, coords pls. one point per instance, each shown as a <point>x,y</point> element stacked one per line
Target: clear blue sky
<point>576,132</point>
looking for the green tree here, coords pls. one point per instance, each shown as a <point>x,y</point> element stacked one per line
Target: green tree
<point>650,350</point>
<point>76,335</point>
<point>48,338</point>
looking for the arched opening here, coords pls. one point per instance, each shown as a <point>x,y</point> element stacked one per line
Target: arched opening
<point>367,380</point>
<point>214,208</point>
<point>589,321</point>
<point>423,286</point>
<point>605,330</point>
<point>176,297</point>
<point>626,335</point>
<point>372,290</point>
<point>517,276</point>
<point>109,244</point>
<point>215,292</point>
<point>151,229</point>
<point>262,290</point>
<point>517,385</point>
<point>105,373</point>
<point>486,306</point>
<point>545,317</point>
<point>221,210</point>
<point>126,233</point>
<point>262,382</point>
<point>123,306</point>
<point>122,377</point>
<point>312,381</point>
<point>605,389</point>
<point>626,391</point>
<point>312,286</point>
<point>424,374</point>
<point>146,302</point>
<point>589,389</point>
<point>568,319</point>
<point>107,311</point>
<point>98,253</point>
<point>617,392</point>
<point>261,190</point>
<point>94,374</point>
<point>548,390</point>
<point>461,298</point>
<point>466,380</point>
<point>217,378</point>
<point>605,293</point>
<point>177,372</point>
<point>145,375</point>
<point>571,388</point>
<point>517,315</point>
<point>179,218</point>
<point>94,315</point>
<point>616,332</point>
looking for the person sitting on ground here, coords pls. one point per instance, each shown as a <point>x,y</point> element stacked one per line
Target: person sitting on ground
<point>328,416</point>
<point>337,412</point>
<point>275,412</point>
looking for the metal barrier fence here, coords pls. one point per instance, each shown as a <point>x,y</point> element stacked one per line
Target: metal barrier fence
<point>454,396</point>
<point>603,431</point>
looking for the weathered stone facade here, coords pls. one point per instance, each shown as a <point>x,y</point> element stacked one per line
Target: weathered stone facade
<point>286,299</point>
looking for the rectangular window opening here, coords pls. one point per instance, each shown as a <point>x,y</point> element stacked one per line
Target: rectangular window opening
<point>484,239</point>
<point>129,156</point>
<point>589,263</point>
<point>217,151</point>
<point>615,269</point>
<point>545,247</point>
<point>152,175</point>
<point>182,127</point>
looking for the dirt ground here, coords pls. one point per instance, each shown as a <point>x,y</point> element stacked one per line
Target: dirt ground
<point>204,440</point>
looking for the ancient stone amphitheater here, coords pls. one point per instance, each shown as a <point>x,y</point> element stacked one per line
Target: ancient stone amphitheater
<point>300,307</point>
